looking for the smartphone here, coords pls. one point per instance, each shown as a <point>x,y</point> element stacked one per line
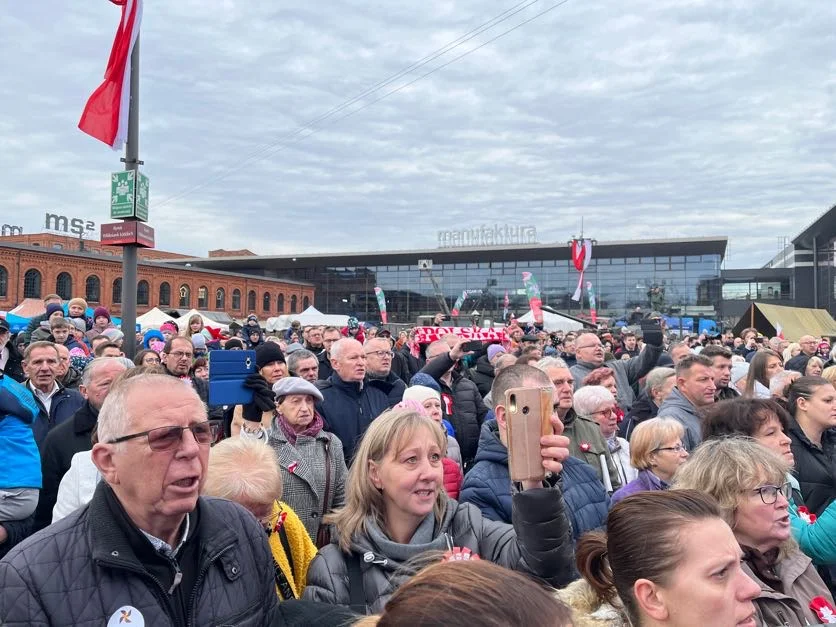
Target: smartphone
<point>227,372</point>
<point>473,345</point>
<point>528,417</point>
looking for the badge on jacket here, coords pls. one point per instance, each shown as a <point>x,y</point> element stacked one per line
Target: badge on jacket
<point>126,615</point>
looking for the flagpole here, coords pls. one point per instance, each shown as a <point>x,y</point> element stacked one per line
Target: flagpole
<point>129,251</point>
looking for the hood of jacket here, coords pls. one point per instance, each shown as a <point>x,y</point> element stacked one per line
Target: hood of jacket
<point>677,399</point>
<point>483,366</point>
<point>491,448</point>
<point>70,379</point>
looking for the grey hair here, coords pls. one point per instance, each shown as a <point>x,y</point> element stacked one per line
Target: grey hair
<point>114,416</point>
<point>588,399</point>
<point>339,346</point>
<point>295,357</point>
<point>243,469</point>
<point>550,362</point>
<point>656,378</point>
<point>91,368</point>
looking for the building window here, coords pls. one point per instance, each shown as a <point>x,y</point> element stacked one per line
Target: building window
<point>236,300</point>
<point>117,291</point>
<point>265,302</point>
<point>293,304</point>
<point>165,294</point>
<point>280,303</point>
<point>220,299</point>
<point>185,297</point>
<point>202,297</point>
<point>251,301</point>
<point>92,289</point>
<point>64,286</point>
<point>32,284</point>
<point>143,293</point>
<point>58,246</point>
<point>306,302</point>
<point>4,281</point>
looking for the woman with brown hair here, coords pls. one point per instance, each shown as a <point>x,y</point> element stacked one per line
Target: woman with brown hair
<point>764,365</point>
<point>685,572</point>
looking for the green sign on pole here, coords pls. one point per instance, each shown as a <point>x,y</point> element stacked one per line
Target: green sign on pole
<point>129,195</point>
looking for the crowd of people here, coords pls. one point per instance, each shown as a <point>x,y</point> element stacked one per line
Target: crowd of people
<point>688,480</point>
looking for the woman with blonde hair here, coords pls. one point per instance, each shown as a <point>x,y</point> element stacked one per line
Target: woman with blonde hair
<point>396,509</point>
<point>656,452</point>
<point>749,483</point>
<point>247,472</point>
<point>814,367</point>
<point>792,349</point>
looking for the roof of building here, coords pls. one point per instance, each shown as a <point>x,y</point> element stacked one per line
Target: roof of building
<point>823,228</point>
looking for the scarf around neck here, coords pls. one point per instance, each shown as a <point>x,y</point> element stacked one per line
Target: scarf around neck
<point>311,431</point>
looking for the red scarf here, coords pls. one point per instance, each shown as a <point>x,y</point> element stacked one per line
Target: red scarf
<point>312,430</point>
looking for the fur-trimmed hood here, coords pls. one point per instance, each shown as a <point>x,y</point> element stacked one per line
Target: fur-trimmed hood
<point>588,610</point>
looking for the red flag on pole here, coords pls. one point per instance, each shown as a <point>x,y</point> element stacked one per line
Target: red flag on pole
<point>105,116</point>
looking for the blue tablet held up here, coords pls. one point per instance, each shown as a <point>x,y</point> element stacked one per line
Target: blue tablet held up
<point>227,372</point>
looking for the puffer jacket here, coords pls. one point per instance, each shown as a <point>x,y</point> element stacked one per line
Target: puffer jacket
<point>461,403</point>
<point>800,584</point>
<point>539,543</point>
<point>21,463</point>
<point>452,478</point>
<point>587,444</point>
<point>680,408</point>
<point>627,373</point>
<point>815,468</point>
<point>82,571</point>
<point>488,486</point>
<point>643,409</point>
<point>482,375</point>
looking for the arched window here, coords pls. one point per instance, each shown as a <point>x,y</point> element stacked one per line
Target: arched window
<point>203,297</point>
<point>220,299</point>
<point>64,286</point>
<point>306,302</point>
<point>165,294</point>
<point>143,293</point>
<point>4,281</point>
<point>265,301</point>
<point>185,296</point>
<point>32,284</point>
<point>280,303</point>
<point>236,300</point>
<point>251,301</point>
<point>117,291</point>
<point>93,289</point>
<point>293,304</point>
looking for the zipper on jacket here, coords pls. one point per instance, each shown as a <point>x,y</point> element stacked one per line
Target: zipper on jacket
<point>784,622</point>
<point>200,579</point>
<point>163,599</point>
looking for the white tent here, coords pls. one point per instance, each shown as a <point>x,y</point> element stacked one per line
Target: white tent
<point>553,322</point>
<point>153,319</point>
<point>207,322</point>
<point>310,317</point>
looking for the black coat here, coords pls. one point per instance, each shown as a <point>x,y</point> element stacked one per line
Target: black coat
<point>14,364</point>
<point>643,409</point>
<point>815,467</point>
<point>798,363</point>
<point>482,375</point>
<point>64,404</point>
<point>61,444</point>
<point>461,404</point>
<point>392,386</point>
<point>325,369</point>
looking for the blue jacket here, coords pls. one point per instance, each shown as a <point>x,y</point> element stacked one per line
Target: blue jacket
<point>348,409</point>
<point>487,485</point>
<point>645,482</point>
<point>64,405</point>
<point>21,467</point>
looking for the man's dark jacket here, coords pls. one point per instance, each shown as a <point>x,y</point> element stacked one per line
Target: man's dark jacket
<point>482,375</point>
<point>14,364</point>
<point>488,486</point>
<point>64,404</point>
<point>643,409</point>
<point>798,363</point>
<point>34,325</point>
<point>84,569</point>
<point>468,411</point>
<point>60,445</point>
<point>392,385</point>
<point>348,409</point>
<point>325,368</point>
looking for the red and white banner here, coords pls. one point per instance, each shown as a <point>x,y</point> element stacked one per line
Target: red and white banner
<point>105,116</point>
<point>425,335</point>
<point>581,256</point>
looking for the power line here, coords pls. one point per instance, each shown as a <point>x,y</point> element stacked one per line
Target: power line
<point>279,145</point>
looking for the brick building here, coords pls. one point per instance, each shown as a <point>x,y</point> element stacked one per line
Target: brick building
<point>32,266</point>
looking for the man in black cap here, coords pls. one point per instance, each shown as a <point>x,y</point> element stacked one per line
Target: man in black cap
<point>271,366</point>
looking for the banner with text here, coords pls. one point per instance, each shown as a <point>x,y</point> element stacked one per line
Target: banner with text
<point>425,335</point>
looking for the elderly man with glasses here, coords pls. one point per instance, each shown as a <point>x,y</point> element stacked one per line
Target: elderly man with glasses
<point>379,356</point>
<point>147,549</point>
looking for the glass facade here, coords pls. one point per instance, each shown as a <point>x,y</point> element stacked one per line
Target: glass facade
<point>620,285</point>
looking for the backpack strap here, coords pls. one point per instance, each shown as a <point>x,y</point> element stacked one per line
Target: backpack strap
<point>356,590</point>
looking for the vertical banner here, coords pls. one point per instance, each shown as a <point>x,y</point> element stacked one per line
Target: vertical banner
<point>381,302</point>
<point>581,256</point>
<point>505,307</point>
<point>459,302</point>
<point>590,292</point>
<point>532,290</point>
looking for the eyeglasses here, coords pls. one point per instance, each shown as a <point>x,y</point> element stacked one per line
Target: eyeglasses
<point>580,348</point>
<point>381,354</point>
<point>769,493</point>
<point>181,355</point>
<point>676,449</point>
<point>167,438</point>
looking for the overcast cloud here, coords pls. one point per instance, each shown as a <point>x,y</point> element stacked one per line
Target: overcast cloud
<point>650,119</point>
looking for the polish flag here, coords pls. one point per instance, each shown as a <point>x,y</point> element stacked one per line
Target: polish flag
<point>105,117</point>
<point>779,330</point>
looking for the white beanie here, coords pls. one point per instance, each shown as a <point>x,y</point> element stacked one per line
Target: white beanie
<point>420,393</point>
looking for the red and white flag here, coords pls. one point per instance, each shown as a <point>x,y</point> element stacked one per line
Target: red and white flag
<point>779,330</point>
<point>105,117</point>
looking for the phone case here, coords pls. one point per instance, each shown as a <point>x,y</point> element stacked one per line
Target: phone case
<point>227,372</point>
<point>528,412</point>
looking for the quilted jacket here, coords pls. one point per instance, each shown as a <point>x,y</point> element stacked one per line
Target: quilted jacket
<point>82,571</point>
<point>488,486</point>
<point>539,543</point>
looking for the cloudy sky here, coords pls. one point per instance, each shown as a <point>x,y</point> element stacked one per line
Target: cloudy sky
<point>647,119</point>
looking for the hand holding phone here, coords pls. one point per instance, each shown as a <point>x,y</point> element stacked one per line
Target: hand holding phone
<point>473,345</point>
<point>528,418</point>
